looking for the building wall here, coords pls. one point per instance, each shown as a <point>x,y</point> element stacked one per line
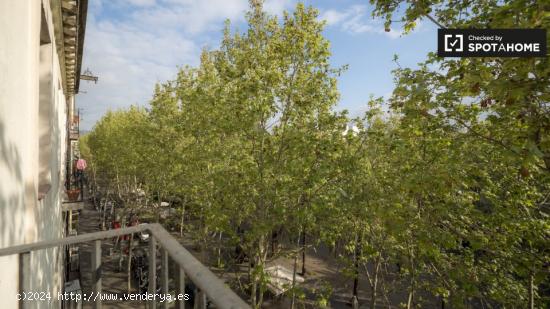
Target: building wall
<point>32,148</point>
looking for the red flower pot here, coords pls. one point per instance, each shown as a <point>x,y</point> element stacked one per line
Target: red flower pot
<point>73,195</point>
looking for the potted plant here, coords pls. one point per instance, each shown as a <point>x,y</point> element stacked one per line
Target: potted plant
<point>73,193</point>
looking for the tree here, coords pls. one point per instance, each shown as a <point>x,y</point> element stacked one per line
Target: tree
<point>495,110</point>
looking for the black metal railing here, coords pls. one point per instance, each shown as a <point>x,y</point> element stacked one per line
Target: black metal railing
<point>208,286</point>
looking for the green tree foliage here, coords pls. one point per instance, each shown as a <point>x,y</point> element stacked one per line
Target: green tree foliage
<point>485,124</point>
<point>446,194</point>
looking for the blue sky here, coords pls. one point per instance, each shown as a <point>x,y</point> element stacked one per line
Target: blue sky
<point>132,44</point>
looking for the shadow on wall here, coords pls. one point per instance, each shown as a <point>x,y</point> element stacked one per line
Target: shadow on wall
<point>12,191</point>
<point>45,264</point>
<point>48,216</point>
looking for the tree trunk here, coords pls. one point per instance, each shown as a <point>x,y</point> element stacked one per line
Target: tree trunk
<point>356,281</point>
<point>531,291</point>
<point>220,250</point>
<point>355,303</point>
<point>261,298</point>
<point>159,207</point>
<point>356,257</point>
<point>303,252</point>
<point>374,284</point>
<point>182,219</point>
<point>264,245</point>
<point>103,209</point>
<point>118,186</point>
<point>295,268</point>
<point>254,284</point>
<point>410,299</point>
<point>203,245</point>
<point>129,267</point>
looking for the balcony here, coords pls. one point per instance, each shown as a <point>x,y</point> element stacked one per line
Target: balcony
<point>74,133</point>
<point>74,128</point>
<point>208,286</point>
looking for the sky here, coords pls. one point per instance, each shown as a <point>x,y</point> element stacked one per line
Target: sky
<point>133,44</point>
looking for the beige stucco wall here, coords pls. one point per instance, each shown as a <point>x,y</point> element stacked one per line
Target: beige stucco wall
<point>23,218</point>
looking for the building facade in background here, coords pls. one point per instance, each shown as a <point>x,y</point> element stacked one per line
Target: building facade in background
<point>41,44</point>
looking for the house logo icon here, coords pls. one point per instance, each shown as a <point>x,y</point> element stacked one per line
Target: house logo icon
<point>454,43</point>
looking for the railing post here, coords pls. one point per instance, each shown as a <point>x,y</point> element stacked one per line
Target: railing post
<point>164,275</point>
<point>152,273</point>
<point>96,273</point>
<point>24,278</point>
<point>200,299</point>
<point>180,287</point>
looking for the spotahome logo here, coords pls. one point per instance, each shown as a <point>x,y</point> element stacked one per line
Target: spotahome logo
<point>454,42</point>
<point>491,43</point>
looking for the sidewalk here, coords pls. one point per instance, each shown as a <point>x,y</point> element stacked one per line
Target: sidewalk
<point>112,281</point>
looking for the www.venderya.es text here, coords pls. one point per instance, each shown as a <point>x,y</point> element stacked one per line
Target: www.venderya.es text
<point>93,297</point>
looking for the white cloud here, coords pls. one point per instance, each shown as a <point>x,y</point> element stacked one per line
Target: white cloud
<point>141,2</point>
<point>192,17</point>
<point>354,20</point>
<point>276,7</point>
<point>197,16</point>
<point>333,17</point>
<point>129,59</point>
<point>132,44</point>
